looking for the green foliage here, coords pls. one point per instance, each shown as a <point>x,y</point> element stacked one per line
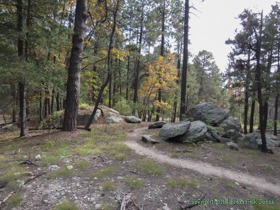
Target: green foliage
<point>14,201</point>
<point>177,182</point>
<point>105,172</point>
<point>82,164</point>
<point>148,166</point>
<point>66,205</point>
<point>109,185</point>
<point>227,159</point>
<point>122,107</point>
<point>266,166</point>
<point>83,105</point>
<point>60,172</point>
<point>133,182</point>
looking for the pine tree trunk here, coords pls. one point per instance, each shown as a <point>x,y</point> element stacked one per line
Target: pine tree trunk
<point>110,92</point>
<point>265,115</point>
<point>73,83</point>
<point>138,60</point>
<point>52,103</point>
<point>252,116</point>
<point>259,89</point>
<point>162,54</point>
<point>21,87</point>
<point>108,70</point>
<point>127,77</point>
<point>275,114</point>
<point>185,63</point>
<point>246,106</point>
<point>14,105</point>
<point>57,102</point>
<point>176,97</point>
<point>40,110</point>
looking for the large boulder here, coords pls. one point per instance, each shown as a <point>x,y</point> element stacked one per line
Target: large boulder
<point>82,119</point>
<point>95,118</point>
<point>231,123</point>
<point>157,124</point>
<point>231,134</point>
<point>232,145</point>
<point>208,112</point>
<point>112,118</point>
<point>254,141</point>
<point>215,135</point>
<point>148,139</point>
<point>172,130</point>
<point>251,140</point>
<point>132,119</point>
<point>195,133</point>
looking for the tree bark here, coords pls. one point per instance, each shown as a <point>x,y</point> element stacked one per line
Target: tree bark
<point>162,54</point>
<point>259,88</point>
<point>57,102</point>
<point>127,77</point>
<point>275,115</point>
<point>176,97</point>
<point>252,116</point>
<point>14,105</point>
<point>138,60</point>
<point>108,66</point>
<point>185,63</point>
<point>21,87</point>
<point>73,83</point>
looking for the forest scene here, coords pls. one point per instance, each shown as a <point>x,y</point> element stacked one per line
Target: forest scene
<point>104,106</point>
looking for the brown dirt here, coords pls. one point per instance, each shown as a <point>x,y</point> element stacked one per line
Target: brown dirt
<point>247,171</point>
<point>206,171</point>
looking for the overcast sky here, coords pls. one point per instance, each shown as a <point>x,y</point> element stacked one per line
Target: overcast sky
<point>215,22</point>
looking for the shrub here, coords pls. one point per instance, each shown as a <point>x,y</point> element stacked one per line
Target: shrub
<point>123,107</point>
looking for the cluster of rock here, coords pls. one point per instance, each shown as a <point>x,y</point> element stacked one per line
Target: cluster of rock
<point>254,141</point>
<point>112,117</point>
<point>82,119</point>
<point>199,126</point>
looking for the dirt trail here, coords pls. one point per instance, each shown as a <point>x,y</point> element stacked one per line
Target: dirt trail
<point>199,166</point>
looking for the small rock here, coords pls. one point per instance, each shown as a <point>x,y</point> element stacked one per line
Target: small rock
<point>132,119</point>
<point>147,138</point>
<point>232,145</point>
<point>38,157</point>
<point>70,167</point>
<point>157,124</point>
<point>3,182</point>
<point>224,140</point>
<point>54,167</point>
<point>98,206</point>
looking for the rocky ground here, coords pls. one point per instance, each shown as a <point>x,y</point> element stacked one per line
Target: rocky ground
<point>98,169</point>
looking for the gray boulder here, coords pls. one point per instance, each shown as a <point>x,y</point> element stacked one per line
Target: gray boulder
<point>232,145</point>
<point>3,182</point>
<point>209,137</point>
<point>225,140</point>
<point>132,119</point>
<point>231,123</point>
<point>112,118</point>
<point>271,141</point>
<point>195,133</point>
<point>172,130</point>
<point>95,118</point>
<point>231,134</point>
<point>251,140</point>
<point>147,138</point>
<point>80,119</point>
<point>208,112</point>
<point>215,135</point>
<point>157,124</point>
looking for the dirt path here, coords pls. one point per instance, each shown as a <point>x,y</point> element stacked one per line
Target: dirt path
<point>198,166</point>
